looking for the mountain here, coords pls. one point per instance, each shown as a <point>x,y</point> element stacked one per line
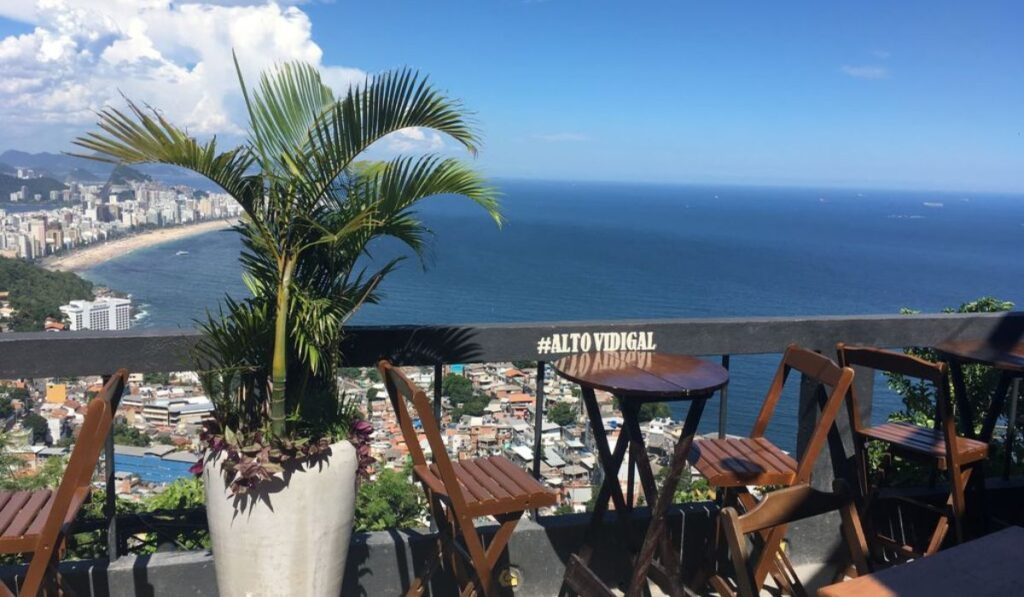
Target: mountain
<point>125,174</point>
<point>10,184</point>
<point>82,175</point>
<point>60,166</point>
<point>56,163</point>
<point>8,169</point>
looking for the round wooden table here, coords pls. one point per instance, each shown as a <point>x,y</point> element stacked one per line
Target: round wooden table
<point>636,378</point>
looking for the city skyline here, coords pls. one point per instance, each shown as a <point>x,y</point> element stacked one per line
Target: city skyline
<point>927,97</point>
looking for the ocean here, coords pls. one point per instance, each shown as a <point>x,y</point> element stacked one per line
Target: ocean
<point>608,251</point>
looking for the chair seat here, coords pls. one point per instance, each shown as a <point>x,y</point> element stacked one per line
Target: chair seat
<point>737,462</point>
<point>491,486</point>
<point>23,514</point>
<point>926,442</point>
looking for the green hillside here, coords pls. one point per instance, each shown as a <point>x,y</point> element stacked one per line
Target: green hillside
<point>37,293</point>
<point>43,186</point>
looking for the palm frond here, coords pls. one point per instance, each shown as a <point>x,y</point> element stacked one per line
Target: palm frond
<point>139,136</point>
<point>287,101</point>
<point>385,104</point>
<point>395,187</point>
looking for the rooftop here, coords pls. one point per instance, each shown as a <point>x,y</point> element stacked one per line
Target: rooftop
<point>380,562</point>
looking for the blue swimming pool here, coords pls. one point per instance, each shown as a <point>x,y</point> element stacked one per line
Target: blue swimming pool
<point>152,469</point>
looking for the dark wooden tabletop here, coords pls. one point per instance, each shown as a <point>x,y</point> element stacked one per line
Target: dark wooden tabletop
<point>992,565</point>
<point>644,374</point>
<point>1010,358</point>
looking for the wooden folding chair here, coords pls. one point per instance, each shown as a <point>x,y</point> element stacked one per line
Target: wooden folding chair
<point>460,492</point>
<point>779,508</point>
<point>939,446</point>
<point>734,464</point>
<point>38,522</point>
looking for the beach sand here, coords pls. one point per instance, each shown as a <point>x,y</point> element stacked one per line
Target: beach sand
<point>93,255</point>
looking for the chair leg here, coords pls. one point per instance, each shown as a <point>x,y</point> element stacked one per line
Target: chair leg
<point>772,542</point>
<point>462,576</point>
<point>478,556</point>
<point>956,506</point>
<point>39,572</point>
<point>418,586</point>
<point>500,540</point>
<point>447,554</point>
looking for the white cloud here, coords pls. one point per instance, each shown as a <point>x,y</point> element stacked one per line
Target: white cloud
<point>176,56</point>
<point>866,71</point>
<point>561,137</point>
<point>881,54</point>
<point>413,140</point>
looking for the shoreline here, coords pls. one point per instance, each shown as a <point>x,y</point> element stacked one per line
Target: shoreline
<point>95,254</point>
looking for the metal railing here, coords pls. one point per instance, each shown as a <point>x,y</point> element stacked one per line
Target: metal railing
<point>41,354</point>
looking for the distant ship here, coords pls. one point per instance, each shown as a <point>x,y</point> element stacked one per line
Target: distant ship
<point>932,204</point>
<point>180,253</point>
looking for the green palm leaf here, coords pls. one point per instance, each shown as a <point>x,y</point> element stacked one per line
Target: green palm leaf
<point>146,137</point>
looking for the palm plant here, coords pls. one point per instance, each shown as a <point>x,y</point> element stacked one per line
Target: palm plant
<point>312,210</point>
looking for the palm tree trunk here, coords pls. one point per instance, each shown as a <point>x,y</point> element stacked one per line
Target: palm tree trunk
<point>279,374</point>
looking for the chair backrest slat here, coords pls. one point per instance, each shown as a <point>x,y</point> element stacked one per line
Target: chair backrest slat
<point>99,419</point>
<point>825,372</point>
<point>400,388</point>
<point>901,364</point>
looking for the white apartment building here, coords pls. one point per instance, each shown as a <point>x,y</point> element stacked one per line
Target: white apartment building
<point>102,314</point>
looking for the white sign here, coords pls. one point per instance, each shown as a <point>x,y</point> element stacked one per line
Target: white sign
<point>577,342</point>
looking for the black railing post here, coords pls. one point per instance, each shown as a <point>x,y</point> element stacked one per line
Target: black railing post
<point>538,419</point>
<point>110,499</point>
<point>538,425</point>
<point>723,402</point>
<point>438,389</point>
<point>1011,428</point>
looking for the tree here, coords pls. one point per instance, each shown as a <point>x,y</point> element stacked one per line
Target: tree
<point>524,365</point>
<point>689,489</point>
<point>562,413</point>
<point>351,372</point>
<point>10,464</point>
<point>156,379</point>
<point>126,435</point>
<point>48,475</point>
<point>653,410</point>
<point>919,398</point>
<point>182,494</point>
<point>373,375</point>
<point>37,293</point>
<point>391,501</point>
<point>311,212</point>
<point>371,394</point>
<point>474,406</point>
<point>12,467</point>
<point>9,394</point>
<point>564,508</point>
<point>458,388</point>
<point>40,430</point>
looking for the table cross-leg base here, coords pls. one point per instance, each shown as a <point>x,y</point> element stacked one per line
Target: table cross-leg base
<point>610,463</point>
<point>665,497</point>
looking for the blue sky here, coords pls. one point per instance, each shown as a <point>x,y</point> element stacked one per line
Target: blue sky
<point>916,95</point>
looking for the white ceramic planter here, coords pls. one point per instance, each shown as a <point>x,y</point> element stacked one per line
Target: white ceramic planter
<point>284,539</point>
